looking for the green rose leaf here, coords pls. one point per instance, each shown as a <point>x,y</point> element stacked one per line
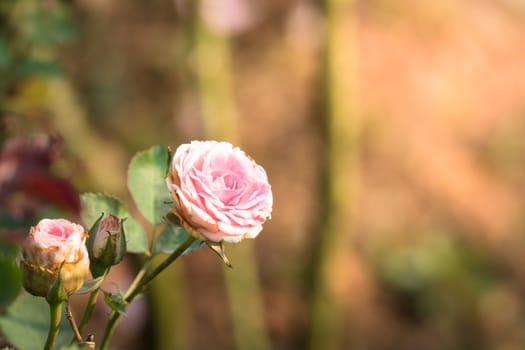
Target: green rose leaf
<point>116,301</point>
<point>26,322</point>
<point>147,183</point>
<point>171,238</point>
<point>11,275</point>
<point>94,204</point>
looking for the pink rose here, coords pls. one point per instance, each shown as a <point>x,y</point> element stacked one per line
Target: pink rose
<point>51,242</point>
<point>219,193</point>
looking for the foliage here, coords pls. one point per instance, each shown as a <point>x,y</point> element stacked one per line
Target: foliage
<point>147,171</point>
<point>29,32</point>
<point>11,278</point>
<point>26,322</point>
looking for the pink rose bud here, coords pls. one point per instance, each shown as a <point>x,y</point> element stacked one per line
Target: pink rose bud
<point>109,247</point>
<point>219,193</point>
<point>49,244</point>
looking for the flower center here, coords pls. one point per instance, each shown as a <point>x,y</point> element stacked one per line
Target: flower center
<point>230,181</point>
<point>59,232</point>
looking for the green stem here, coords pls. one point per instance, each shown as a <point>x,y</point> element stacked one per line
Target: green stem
<point>109,329</point>
<point>131,294</point>
<point>138,278</point>
<point>89,309</point>
<point>55,313</point>
<point>141,281</point>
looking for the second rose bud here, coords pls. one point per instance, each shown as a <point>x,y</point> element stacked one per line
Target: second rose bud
<point>106,244</point>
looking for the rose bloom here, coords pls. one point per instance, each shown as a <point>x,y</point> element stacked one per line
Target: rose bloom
<point>219,193</point>
<point>51,242</point>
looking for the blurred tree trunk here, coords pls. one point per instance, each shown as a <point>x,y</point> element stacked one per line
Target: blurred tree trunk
<point>169,310</point>
<point>214,77</point>
<point>341,175</point>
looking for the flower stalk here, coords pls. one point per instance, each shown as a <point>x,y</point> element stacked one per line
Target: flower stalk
<point>137,288</point>
<point>89,309</point>
<point>55,314</point>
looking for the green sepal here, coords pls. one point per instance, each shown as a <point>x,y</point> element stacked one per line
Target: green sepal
<point>90,242</point>
<point>218,248</point>
<point>56,293</point>
<point>92,285</point>
<point>106,258</point>
<point>96,269</point>
<point>120,252</point>
<point>115,248</point>
<point>173,219</point>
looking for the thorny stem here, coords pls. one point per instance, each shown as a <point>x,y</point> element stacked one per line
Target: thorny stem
<point>72,322</point>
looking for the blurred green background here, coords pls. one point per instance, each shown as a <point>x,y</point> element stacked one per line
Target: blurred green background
<point>392,132</point>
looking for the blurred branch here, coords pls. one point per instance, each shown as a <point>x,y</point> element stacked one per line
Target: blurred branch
<point>214,78</point>
<point>341,175</point>
<point>169,309</point>
<point>95,151</point>
<point>214,75</point>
